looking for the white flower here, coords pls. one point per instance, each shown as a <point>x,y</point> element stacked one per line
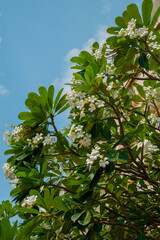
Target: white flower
<point>9,171</point>
<point>89,161</point>
<point>37,138</point>
<point>142,31</point>
<point>121,33</point>
<point>153,148</point>
<point>100,75</point>
<point>6,134</point>
<point>17,130</point>
<point>42,210</point>
<point>115,94</point>
<point>29,201</point>
<point>104,162</point>
<point>99,103</point>
<point>132,23</point>
<point>110,86</point>
<point>48,140</point>
<point>92,107</point>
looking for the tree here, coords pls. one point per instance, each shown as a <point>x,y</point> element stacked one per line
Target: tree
<point>99,178</point>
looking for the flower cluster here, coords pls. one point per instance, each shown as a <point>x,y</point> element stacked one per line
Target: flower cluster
<point>152,148</point>
<point>78,137</point>
<point>10,173</point>
<point>98,52</point>
<point>29,201</point>
<point>152,93</point>
<point>83,103</point>
<point>15,135</point>
<point>110,69</point>
<point>153,118</point>
<point>131,30</point>
<point>95,155</point>
<point>47,140</point>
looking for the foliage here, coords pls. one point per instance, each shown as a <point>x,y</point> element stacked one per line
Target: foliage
<point>99,178</point>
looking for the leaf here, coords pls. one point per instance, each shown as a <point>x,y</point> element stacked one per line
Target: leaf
<point>147,6</point>
<point>50,96</point>
<point>62,101</point>
<point>76,216</point>
<point>58,97</point>
<point>120,22</point>
<point>79,60</point>
<point>113,30</point>
<point>47,198</point>
<point>141,236</point>
<point>155,17</point>
<point>60,204</point>
<point>96,178</point>
<point>139,89</point>
<point>123,155</point>
<point>132,51</point>
<point>67,226</point>
<point>87,56</point>
<point>133,12</point>
<point>85,218</point>
<point>95,131</point>
<point>86,196</point>
<point>105,131</point>
<point>120,141</point>
<point>109,168</point>
<point>143,61</point>
<point>25,115</point>
<point>97,227</point>
<point>29,210</point>
<point>126,17</point>
<point>40,199</point>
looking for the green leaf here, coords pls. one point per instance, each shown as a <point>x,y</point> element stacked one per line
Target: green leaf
<point>47,198</point>
<point>28,210</point>
<point>133,12</point>
<point>109,168</point>
<point>40,199</point>
<point>97,227</point>
<point>57,97</point>
<point>147,6</point>
<point>132,51</point>
<point>113,30</point>
<point>67,226</point>
<point>96,178</point>
<point>60,204</point>
<point>50,96</point>
<point>139,89</point>
<point>123,155</point>
<point>105,131</point>
<point>79,60</point>
<point>126,17</point>
<point>141,236</point>
<point>87,56</point>
<point>120,22</point>
<point>155,17</point>
<point>95,131</point>
<point>76,216</point>
<point>85,218</point>
<point>25,115</point>
<point>143,61</point>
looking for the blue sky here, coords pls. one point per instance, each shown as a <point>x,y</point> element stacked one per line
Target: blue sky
<point>37,39</point>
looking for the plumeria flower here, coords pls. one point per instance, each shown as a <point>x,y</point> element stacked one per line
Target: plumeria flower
<point>104,162</point>
<point>29,201</point>
<point>48,140</point>
<point>89,161</point>
<point>92,107</point>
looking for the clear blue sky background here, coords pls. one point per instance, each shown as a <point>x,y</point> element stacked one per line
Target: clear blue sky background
<point>37,38</point>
